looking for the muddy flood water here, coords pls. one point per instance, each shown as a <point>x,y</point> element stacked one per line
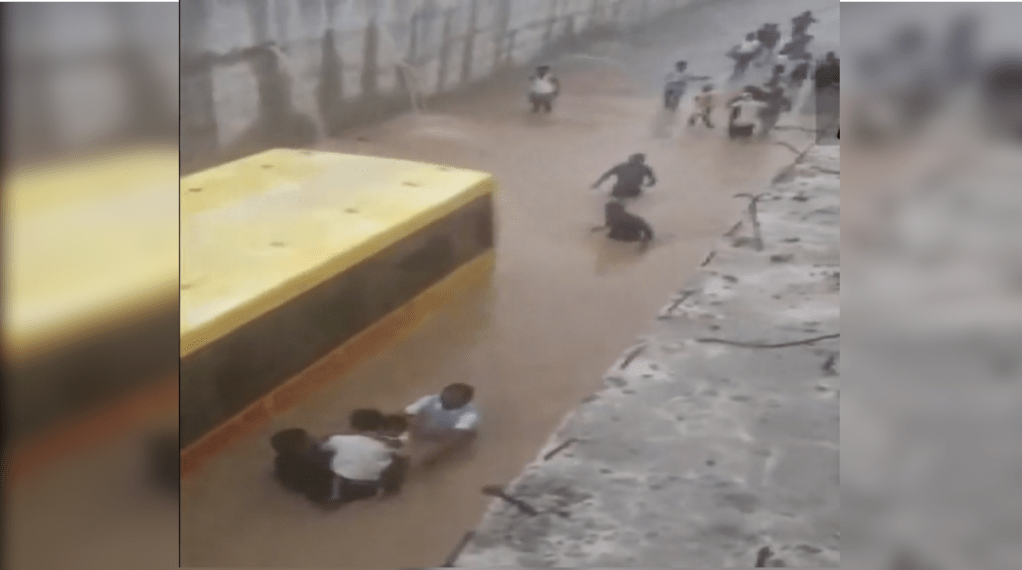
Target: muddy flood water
<point>564,303</point>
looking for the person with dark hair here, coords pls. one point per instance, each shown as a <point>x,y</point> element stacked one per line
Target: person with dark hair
<point>703,107</point>
<point>677,83</point>
<point>828,73</point>
<point>395,428</point>
<point>363,465</point>
<point>443,423</point>
<point>775,77</point>
<point>544,88</point>
<point>768,37</point>
<point>800,24</point>
<point>625,226</point>
<point>631,176</point>
<point>797,48</point>
<point>799,74</point>
<point>301,465</point>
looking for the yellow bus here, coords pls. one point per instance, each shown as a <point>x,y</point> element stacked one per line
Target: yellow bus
<point>289,255</point>
<point>90,280</point>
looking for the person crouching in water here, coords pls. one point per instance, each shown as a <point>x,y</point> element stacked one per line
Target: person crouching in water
<point>631,176</point>
<point>544,89</point>
<point>364,464</point>
<point>744,116</point>
<point>703,107</point>
<point>302,466</point>
<point>443,424</point>
<point>625,226</point>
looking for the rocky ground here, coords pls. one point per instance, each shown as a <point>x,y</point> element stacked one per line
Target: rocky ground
<point>717,434</point>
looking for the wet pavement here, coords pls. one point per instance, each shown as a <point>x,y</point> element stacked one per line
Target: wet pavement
<point>562,303</point>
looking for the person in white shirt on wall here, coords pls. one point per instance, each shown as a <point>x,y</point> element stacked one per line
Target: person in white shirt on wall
<point>745,53</point>
<point>444,423</point>
<point>744,116</point>
<point>363,462</point>
<point>544,89</point>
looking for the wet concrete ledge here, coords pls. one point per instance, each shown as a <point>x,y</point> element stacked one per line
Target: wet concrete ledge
<point>698,451</point>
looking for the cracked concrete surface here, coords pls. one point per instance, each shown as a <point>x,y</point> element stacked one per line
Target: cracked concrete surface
<point>698,452</point>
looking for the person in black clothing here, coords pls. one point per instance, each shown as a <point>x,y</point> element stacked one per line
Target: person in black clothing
<point>828,73</point>
<point>800,23</point>
<point>768,37</point>
<point>797,47</point>
<point>776,103</point>
<point>799,74</point>
<point>631,176</point>
<point>625,226</point>
<point>301,466</point>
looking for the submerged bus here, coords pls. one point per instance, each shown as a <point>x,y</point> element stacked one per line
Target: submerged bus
<point>290,255</point>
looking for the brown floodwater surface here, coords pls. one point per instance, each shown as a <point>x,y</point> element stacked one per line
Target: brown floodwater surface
<point>564,303</point>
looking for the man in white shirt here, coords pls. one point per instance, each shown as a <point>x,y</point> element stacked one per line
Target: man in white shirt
<point>544,88</point>
<point>677,83</point>
<point>443,423</point>
<point>744,116</point>
<point>362,462</point>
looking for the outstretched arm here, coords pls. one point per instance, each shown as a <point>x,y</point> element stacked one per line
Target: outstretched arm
<point>650,176</point>
<point>605,176</point>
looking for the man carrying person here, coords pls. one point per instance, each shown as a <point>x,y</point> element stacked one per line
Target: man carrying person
<point>364,463</point>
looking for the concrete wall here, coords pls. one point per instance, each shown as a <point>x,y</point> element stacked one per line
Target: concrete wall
<point>82,76</point>
<point>257,74</point>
